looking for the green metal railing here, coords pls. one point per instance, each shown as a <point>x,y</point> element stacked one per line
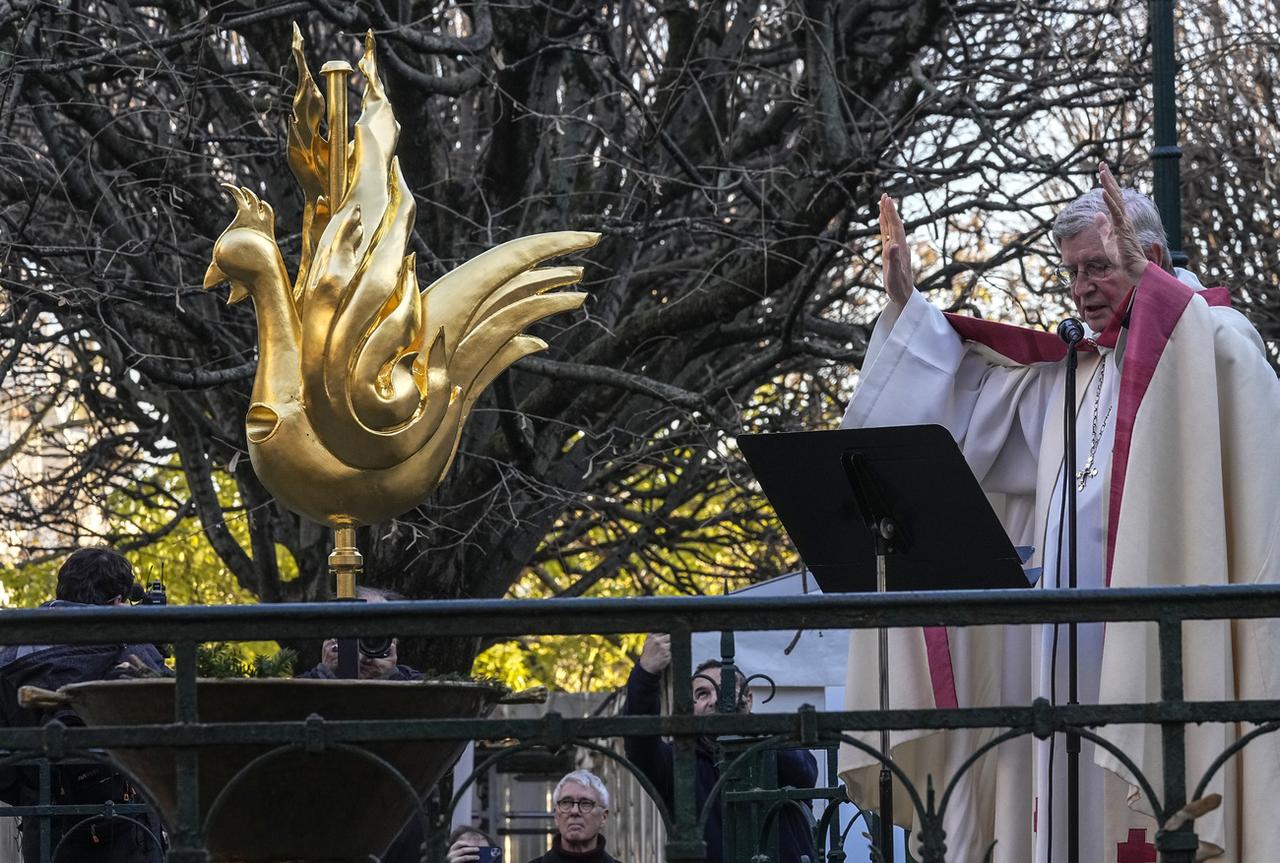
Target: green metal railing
<point>186,627</point>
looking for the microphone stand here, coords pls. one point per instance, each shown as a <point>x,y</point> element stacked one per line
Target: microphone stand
<point>1073,740</point>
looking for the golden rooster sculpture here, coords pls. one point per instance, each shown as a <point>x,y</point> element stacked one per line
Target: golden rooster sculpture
<point>363,382</point>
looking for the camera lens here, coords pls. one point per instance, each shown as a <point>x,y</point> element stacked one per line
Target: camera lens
<point>376,648</point>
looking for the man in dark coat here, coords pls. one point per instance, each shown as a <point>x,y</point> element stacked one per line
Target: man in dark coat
<point>90,576</point>
<point>797,768</point>
<point>581,809</point>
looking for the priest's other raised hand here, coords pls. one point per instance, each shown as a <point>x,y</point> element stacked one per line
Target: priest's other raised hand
<point>894,255</point>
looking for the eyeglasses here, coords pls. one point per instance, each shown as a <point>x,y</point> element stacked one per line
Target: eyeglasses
<point>584,806</point>
<point>1093,270</point>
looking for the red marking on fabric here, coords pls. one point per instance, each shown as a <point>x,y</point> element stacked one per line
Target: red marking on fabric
<point>1218,296</point>
<point>1136,850</point>
<point>938,646</point>
<point>1158,304</point>
<point>1020,344</point>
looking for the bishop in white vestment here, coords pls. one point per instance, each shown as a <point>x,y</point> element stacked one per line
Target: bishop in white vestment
<point>1178,483</point>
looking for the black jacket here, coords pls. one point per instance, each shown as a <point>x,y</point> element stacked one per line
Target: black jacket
<point>796,768</point>
<point>559,855</point>
<point>51,667</point>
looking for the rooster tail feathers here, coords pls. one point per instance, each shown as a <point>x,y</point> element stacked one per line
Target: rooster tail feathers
<point>529,284</point>
<point>471,361</point>
<point>457,296</point>
<point>477,371</point>
<point>514,350</point>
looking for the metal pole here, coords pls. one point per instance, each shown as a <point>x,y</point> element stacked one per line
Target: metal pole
<point>727,696</point>
<point>1073,694</point>
<point>885,531</point>
<point>1166,154</point>
<point>346,564</point>
<point>336,73</point>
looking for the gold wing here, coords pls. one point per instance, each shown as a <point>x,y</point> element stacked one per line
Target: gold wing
<point>381,363</point>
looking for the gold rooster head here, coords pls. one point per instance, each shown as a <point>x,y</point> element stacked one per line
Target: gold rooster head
<point>248,241</point>
<point>364,382</point>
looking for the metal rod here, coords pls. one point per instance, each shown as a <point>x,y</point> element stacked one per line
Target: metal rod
<point>336,73</point>
<point>515,617</point>
<point>1166,154</point>
<point>186,710</point>
<point>1173,744</point>
<point>886,777</point>
<point>1073,695</point>
<point>346,564</point>
<point>727,695</point>
<point>684,837</point>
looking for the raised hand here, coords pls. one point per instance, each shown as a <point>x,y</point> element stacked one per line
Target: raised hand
<point>894,255</point>
<point>463,851</point>
<point>656,654</point>
<point>1119,239</point>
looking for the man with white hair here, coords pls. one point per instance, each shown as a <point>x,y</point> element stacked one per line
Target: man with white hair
<point>581,805</point>
<point>1176,484</point>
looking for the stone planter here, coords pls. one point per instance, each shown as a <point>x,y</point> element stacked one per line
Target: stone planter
<point>267,803</point>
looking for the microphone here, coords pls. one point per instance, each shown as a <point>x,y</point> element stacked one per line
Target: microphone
<point>1071,331</point>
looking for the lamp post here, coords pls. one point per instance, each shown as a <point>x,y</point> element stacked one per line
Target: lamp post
<point>1166,153</point>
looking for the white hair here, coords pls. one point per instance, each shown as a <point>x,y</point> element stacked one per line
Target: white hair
<point>1080,214</point>
<point>585,778</point>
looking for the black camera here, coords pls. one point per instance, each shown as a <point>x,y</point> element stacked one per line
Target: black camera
<point>376,648</point>
<point>152,594</point>
<point>155,594</point>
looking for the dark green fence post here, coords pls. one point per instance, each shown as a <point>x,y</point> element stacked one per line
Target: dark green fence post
<point>686,843</point>
<point>1177,846</point>
<point>188,845</point>
<point>45,821</point>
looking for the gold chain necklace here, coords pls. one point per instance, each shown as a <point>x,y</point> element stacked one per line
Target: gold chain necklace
<point>1089,471</point>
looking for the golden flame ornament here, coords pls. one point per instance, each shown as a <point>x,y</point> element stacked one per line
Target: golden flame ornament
<point>363,382</point>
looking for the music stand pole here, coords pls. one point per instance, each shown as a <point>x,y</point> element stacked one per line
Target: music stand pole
<point>884,530</point>
<point>1073,740</point>
<point>871,500</point>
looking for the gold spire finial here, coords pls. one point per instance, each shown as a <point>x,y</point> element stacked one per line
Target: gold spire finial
<point>364,382</point>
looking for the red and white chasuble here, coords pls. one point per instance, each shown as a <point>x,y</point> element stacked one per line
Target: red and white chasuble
<point>1181,413</point>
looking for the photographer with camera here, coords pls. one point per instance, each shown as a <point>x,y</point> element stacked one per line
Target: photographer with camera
<point>88,577</point>
<point>378,660</point>
<point>469,844</point>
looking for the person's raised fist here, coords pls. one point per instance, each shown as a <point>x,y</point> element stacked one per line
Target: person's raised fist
<point>656,654</point>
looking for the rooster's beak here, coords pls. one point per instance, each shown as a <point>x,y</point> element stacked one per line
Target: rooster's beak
<point>214,277</point>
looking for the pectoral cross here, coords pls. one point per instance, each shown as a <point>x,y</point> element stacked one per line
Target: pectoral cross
<point>1086,473</point>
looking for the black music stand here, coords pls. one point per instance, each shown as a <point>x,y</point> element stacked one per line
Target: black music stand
<point>854,499</point>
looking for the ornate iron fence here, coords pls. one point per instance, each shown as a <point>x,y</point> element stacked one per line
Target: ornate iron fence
<point>186,627</point>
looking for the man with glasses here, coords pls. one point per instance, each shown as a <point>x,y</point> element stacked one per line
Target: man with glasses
<point>1176,484</point>
<point>581,808</point>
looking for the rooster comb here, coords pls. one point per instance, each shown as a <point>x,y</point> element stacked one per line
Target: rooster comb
<point>251,211</point>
